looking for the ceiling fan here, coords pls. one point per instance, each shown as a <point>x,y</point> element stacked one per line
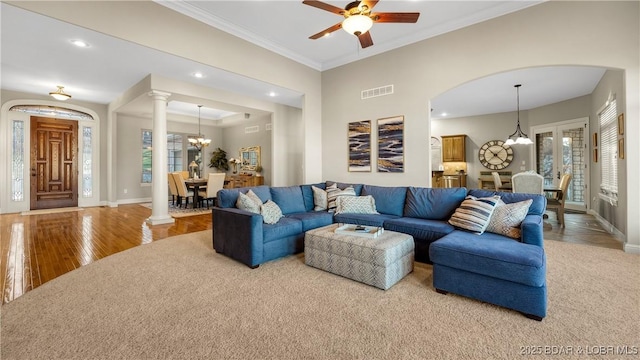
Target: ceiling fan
<point>358,19</point>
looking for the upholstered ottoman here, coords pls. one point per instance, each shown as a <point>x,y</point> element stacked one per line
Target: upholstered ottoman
<point>379,262</point>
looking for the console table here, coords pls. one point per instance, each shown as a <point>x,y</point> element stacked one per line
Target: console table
<point>238,181</point>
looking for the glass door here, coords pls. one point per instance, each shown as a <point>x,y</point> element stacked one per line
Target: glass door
<point>563,148</point>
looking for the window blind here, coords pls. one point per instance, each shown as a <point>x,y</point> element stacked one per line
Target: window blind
<point>609,151</point>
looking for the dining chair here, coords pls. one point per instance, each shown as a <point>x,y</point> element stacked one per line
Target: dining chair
<point>173,189</point>
<point>183,192</point>
<point>215,182</point>
<point>497,182</point>
<point>525,182</point>
<point>185,174</point>
<point>556,203</point>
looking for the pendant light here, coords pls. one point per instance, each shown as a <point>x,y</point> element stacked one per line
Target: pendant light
<point>199,141</point>
<point>520,137</point>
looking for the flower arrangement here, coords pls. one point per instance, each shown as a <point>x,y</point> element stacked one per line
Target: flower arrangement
<point>234,162</point>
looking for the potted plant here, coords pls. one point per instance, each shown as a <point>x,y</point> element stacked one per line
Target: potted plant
<point>219,160</point>
<point>258,170</point>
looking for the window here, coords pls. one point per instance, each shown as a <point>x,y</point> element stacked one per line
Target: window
<point>87,164</point>
<point>146,156</point>
<point>175,146</point>
<point>17,163</point>
<point>609,152</point>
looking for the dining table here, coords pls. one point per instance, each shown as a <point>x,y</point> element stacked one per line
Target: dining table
<point>195,184</point>
<point>545,188</point>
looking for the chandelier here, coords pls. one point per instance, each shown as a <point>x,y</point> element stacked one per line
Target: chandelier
<point>60,94</point>
<point>520,137</point>
<point>199,141</point>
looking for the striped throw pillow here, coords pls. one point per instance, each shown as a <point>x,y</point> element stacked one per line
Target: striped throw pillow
<point>474,213</point>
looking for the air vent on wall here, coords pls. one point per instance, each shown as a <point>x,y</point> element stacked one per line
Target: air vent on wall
<point>375,92</point>
<point>251,129</point>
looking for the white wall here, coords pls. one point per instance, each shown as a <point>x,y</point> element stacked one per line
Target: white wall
<point>552,33</point>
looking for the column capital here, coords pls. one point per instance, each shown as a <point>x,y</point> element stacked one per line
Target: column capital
<point>159,95</point>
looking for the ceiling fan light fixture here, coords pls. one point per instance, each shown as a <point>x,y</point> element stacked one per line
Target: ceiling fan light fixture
<point>60,94</point>
<point>357,24</point>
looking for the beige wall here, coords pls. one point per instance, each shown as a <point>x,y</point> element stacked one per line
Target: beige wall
<point>552,33</point>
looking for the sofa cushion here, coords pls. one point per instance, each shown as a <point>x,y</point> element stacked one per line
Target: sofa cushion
<point>356,205</point>
<point>363,219</point>
<point>307,194</point>
<point>313,219</point>
<point>430,230</point>
<point>433,203</point>
<point>288,198</point>
<point>491,255</point>
<point>506,218</point>
<point>389,200</point>
<point>249,202</point>
<point>227,197</point>
<point>270,212</point>
<point>537,207</point>
<point>474,213</point>
<point>285,227</point>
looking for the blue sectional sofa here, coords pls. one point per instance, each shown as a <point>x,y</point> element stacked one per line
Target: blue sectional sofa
<point>464,263</point>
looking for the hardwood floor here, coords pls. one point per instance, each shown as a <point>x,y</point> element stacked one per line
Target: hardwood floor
<point>38,248</point>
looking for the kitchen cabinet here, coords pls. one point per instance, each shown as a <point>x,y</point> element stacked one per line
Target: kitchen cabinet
<point>453,148</point>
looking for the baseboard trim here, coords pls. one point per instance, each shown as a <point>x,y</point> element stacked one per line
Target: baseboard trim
<point>632,248</point>
<point>617,234</point>
<point>133,201</point>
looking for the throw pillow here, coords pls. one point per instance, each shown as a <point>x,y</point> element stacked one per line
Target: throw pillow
<point>332,195</point>
<point>356,205</point>
<point>319,199</point>
<point>506,218</point>
<point>270,212</point>
<point>474,213</point>
<point>249,202</point>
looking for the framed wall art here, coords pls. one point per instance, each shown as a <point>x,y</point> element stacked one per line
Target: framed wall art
<point>621,124</point>
<point>391,144</point>
<point>360,146</point>
<point>621,149</point>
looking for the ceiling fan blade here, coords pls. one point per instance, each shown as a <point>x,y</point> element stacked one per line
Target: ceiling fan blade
<point>324,6</point>
<point>365,39</point>
<point>326,31</point>
<point>395,17</point>
<point>370,3</point>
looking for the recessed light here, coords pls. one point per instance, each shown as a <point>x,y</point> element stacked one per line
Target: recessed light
<point>80,43</point>
<point>198,75</point>
<point>444,114</point>
<point>272,94</point>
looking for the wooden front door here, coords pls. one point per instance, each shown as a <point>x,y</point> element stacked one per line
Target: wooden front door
<point>54,168</point>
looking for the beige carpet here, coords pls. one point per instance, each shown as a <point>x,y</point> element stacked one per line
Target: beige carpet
<point>177,299</point>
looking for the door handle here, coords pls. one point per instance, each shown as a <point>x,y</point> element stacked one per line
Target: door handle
<point>33,171</point>
<point>558,175</point>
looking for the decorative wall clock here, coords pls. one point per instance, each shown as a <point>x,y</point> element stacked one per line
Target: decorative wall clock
<point>495,155</point>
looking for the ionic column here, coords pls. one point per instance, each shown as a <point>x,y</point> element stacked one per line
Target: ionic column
<point>159,169</point>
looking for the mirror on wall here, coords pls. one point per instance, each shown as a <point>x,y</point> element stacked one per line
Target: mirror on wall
<point>250,157</point>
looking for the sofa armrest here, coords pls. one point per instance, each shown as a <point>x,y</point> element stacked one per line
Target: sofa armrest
<point>532,230</point>
<point>239,235</point>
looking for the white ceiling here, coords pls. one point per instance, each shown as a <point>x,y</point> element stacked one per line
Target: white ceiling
<point>110,66</point>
